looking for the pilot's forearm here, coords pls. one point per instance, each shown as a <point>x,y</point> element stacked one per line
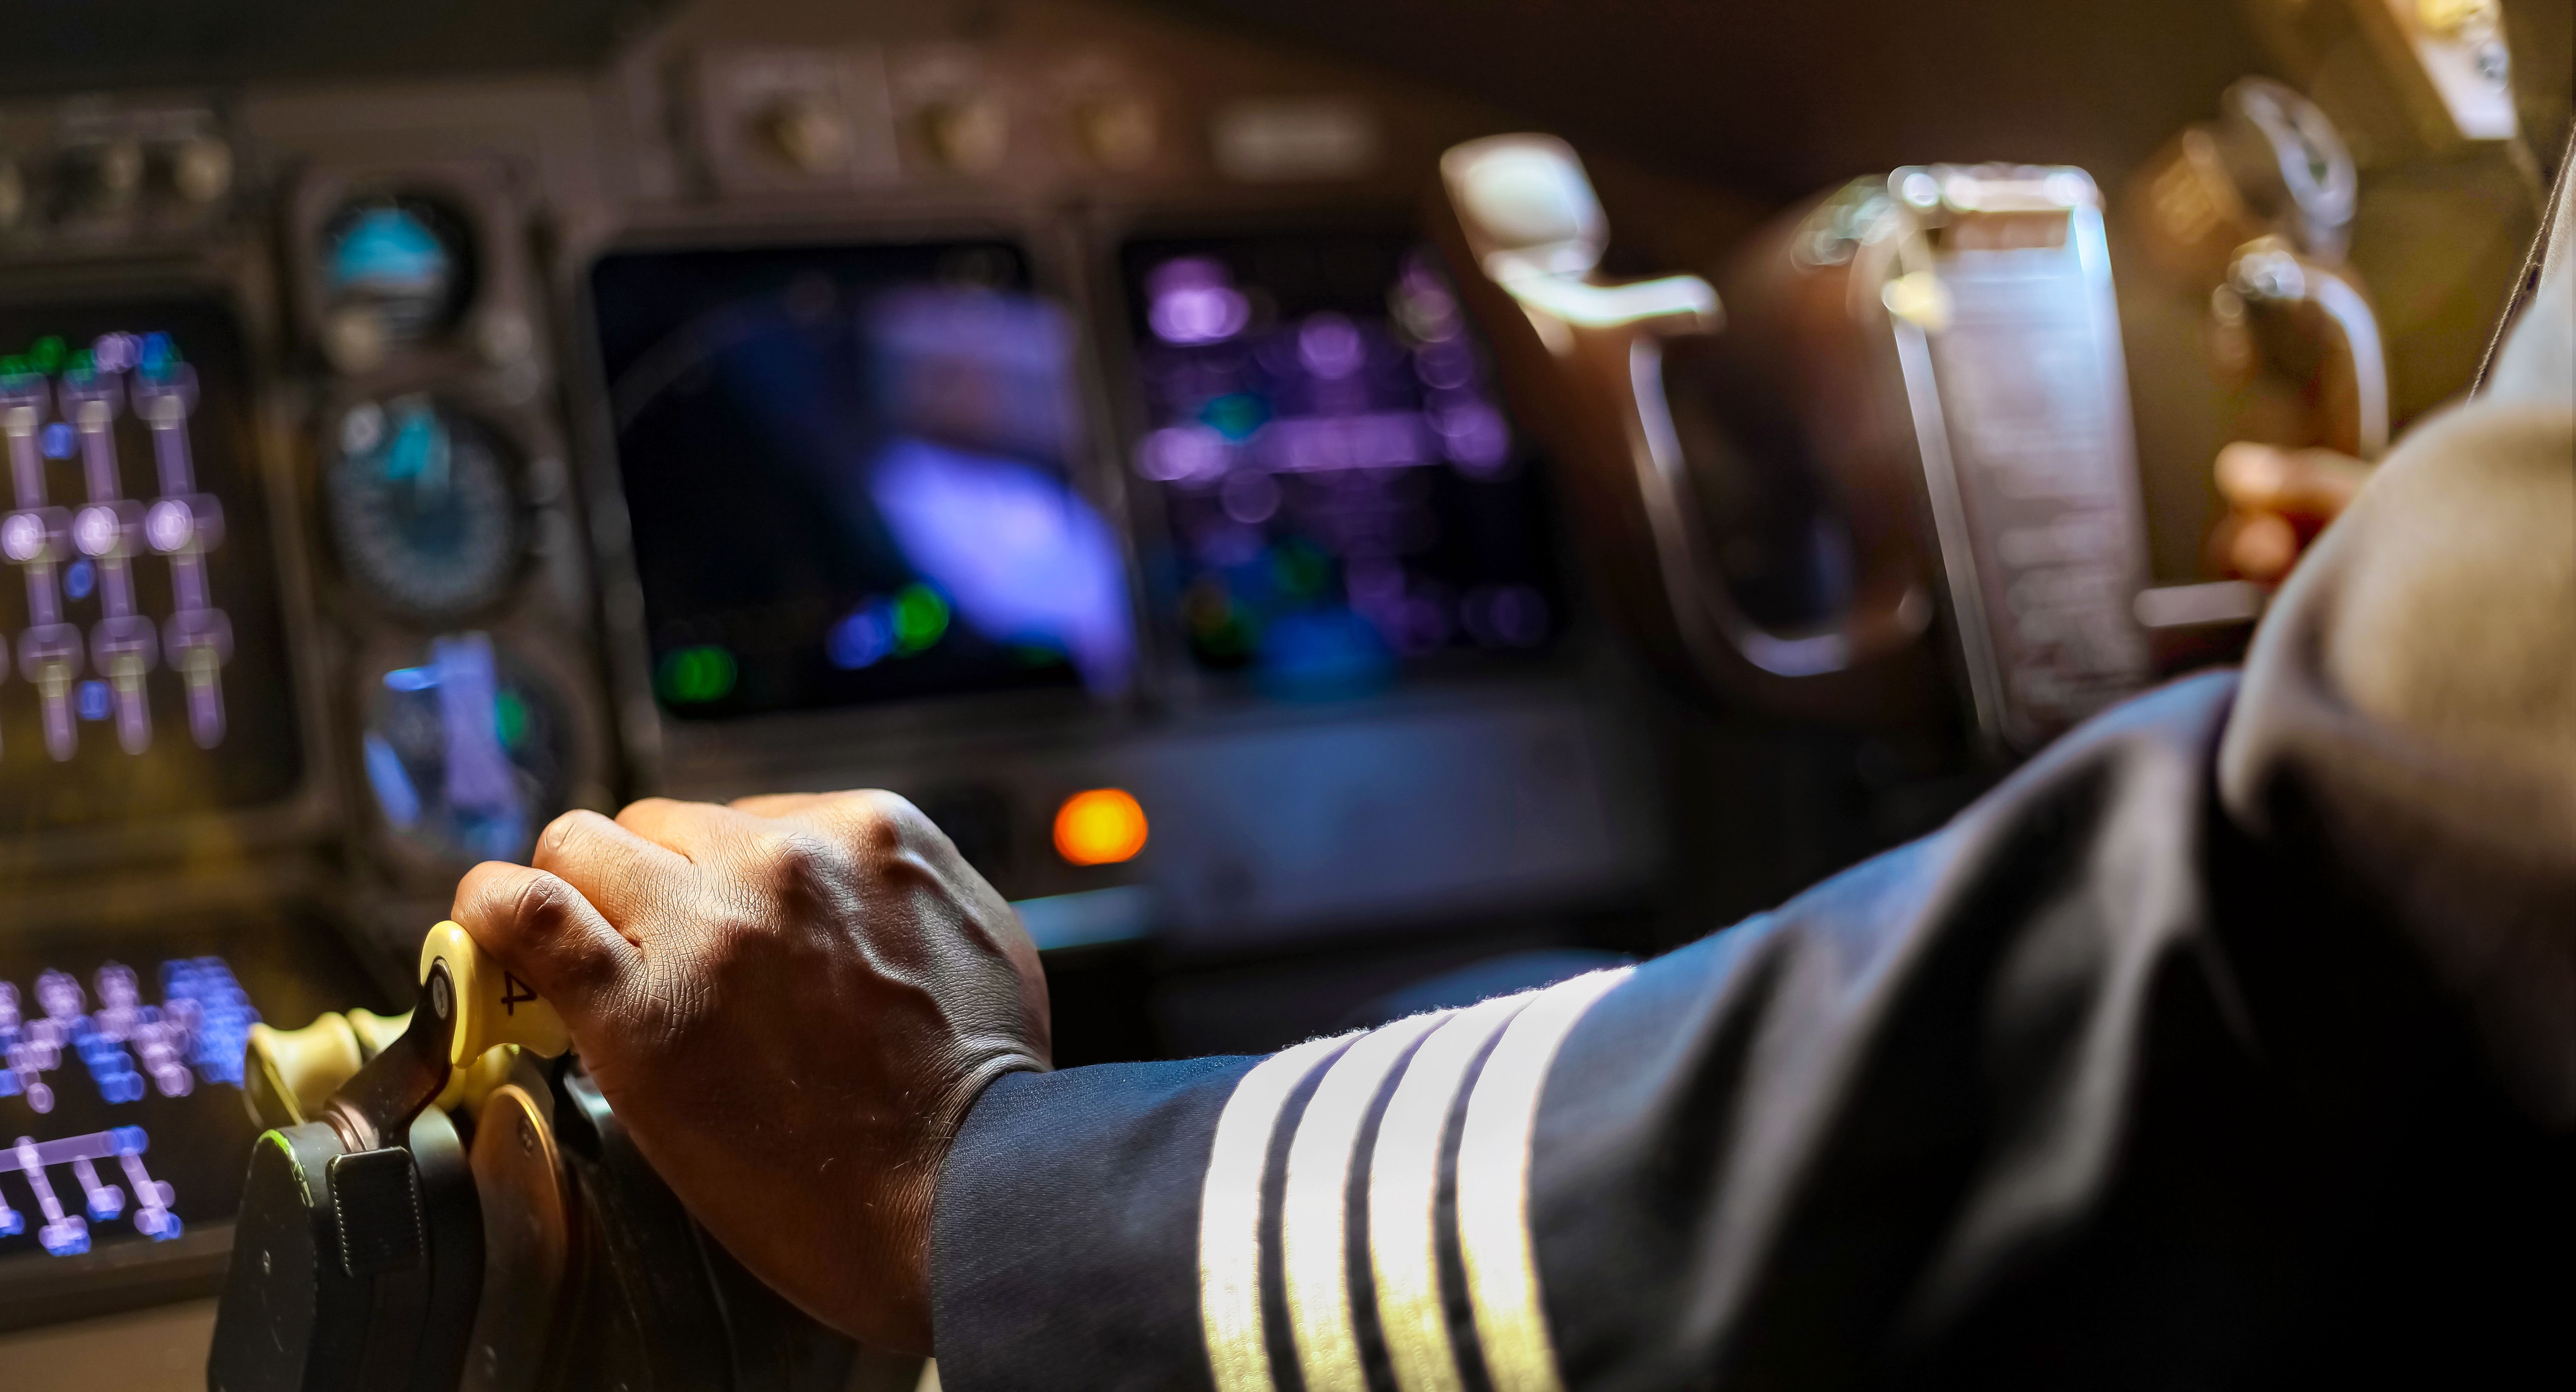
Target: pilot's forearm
<point>1773,1158</point>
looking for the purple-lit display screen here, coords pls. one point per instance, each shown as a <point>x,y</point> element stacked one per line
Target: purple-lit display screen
<point>848,471</point>
<point>142,653</point>
<point>1342,492</point>
<point>121,1111</point>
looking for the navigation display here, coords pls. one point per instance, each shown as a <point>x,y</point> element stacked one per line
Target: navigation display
<point>144,671</point>
<point>1341,491</point>
<point>847,471</point>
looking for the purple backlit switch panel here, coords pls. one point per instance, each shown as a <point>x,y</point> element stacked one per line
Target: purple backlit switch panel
<point>130,1050</point>
<point>63,405</point>
<point>65,1233</point>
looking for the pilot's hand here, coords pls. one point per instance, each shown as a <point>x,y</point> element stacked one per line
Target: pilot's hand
<point>2278,500</point>
<point>791,1002</point>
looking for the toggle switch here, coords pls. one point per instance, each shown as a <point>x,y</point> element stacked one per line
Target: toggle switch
<point>492,1006</point>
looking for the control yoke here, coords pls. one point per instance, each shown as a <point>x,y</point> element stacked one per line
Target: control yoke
<point>1589,356</point>
<point>1925,365</point>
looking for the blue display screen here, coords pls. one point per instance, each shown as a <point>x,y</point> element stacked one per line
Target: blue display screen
<point>848,475</point>
<point>1340,491</point>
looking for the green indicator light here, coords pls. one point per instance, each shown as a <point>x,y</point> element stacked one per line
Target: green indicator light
<point>920,617</point>
<point>510,719</point>
<point>13,366</point>
<point>46,354</point>
<point>1300,570</point>
<point>695,676</point>
<point>1236,415</point>
<point>77,365</point>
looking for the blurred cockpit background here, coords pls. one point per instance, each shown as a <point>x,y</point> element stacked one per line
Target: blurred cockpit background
<point>1330,506</point>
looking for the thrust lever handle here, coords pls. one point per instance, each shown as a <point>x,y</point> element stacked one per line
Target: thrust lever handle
<point>493,1007</point>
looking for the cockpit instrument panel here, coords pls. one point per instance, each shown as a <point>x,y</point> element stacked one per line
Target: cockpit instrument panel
<point>146,660</point>
<point>849,474</point>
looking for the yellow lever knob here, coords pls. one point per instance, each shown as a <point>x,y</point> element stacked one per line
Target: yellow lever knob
<point>293,1072</point>
<point>377,1031</point>
<point>492,1006</point>
<point>2451,17</point>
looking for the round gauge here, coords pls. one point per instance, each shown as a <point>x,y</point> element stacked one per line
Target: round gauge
<point>469,749</point>
<point>405,260</point>
<point>423,509</point>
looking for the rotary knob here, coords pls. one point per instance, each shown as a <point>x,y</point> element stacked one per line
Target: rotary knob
<point>967,134</point>
<point>116,173</point>
<point>807,133</point>
<point>201,169</point>
<point>1118,132</point>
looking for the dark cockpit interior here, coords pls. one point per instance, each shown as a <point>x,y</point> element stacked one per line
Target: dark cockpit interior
<point>1320,504</point>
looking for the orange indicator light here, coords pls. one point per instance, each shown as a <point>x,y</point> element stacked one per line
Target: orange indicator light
<point>1100,827</point>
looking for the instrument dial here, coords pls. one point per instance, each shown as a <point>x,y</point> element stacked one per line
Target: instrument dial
<point>404,261</point>
<point>423,508</point>
<point>469,749</point>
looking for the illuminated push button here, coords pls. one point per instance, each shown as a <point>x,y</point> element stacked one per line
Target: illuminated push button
<point>1103,826</point>
<point>492,1006</point>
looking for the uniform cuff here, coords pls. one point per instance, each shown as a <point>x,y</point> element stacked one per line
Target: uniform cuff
<point>1064,1243</point>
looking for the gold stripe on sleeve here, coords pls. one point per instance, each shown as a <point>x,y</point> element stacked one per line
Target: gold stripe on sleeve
<point>1493,1187</point>
<point>1313,1215</point>
<point>1404,1194</point>
<point>1230,1217</point>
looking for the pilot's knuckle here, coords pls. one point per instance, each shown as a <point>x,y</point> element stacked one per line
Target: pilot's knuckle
<point>796,857</point>
<point>640,809</point>
<point>561,833</point>
<point>881,821</point>
<point>540,904</point>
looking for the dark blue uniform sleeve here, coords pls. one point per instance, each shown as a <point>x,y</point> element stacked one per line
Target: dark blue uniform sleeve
<point>2031,1102</point>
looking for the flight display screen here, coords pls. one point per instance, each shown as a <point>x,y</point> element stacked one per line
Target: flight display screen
<point>122,1120</point>
<point>848,474</point>
<point>145,670</point>
<point>1341,491</point>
